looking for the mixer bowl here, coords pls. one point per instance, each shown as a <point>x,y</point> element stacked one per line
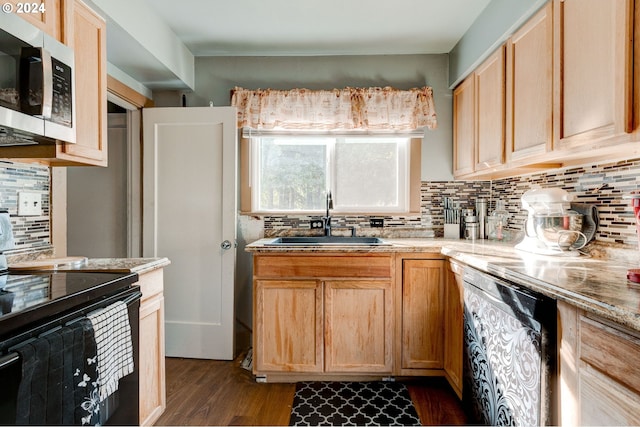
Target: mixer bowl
<point>560,230</point>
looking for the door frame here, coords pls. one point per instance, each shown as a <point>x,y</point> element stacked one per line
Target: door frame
<point>132,101</point>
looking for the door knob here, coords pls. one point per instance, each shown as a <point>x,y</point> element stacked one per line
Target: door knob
<point>226,245</point>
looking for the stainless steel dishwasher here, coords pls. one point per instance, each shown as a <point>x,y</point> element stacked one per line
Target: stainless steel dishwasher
<point>510,353</point>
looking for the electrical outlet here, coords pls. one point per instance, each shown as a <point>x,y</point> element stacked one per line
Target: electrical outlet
<point>376,222</point>
<point>29,203</point>
<point>316,224</point>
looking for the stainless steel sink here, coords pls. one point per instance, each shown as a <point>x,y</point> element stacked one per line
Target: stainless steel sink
<point>326,240</point>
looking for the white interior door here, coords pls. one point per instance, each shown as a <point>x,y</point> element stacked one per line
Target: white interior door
<point>189,212</point>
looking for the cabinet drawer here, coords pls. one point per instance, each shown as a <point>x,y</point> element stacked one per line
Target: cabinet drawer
<point>151,283</point>
<point>323,266</point>
<point>611,350</point>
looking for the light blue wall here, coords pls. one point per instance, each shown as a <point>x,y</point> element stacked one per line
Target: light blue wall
<point>494,25</point>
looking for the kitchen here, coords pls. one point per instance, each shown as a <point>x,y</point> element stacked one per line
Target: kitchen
<point>585,180</point>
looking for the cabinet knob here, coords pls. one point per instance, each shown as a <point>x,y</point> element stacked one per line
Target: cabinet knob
<point>226,245</point>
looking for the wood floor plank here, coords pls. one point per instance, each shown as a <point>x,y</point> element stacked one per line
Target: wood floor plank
<point>222,393</point>
<point>435,402</point>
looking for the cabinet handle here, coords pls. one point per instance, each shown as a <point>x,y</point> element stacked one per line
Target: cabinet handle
<point>226,245</point>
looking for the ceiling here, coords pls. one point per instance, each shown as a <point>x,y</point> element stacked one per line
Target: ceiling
<point>328,27</point>
<point>294,28</point>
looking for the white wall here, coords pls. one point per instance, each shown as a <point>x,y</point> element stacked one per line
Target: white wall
<point>136,25</point>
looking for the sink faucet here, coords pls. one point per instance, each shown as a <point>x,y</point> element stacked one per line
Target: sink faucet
<point>327,217</point>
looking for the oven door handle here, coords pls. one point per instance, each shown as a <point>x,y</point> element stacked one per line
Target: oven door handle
<point>133,297</point>
<point>9,359</point>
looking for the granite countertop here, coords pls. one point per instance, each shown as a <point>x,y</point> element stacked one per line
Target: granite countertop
<point>123,265</point>
<point>597,285</point>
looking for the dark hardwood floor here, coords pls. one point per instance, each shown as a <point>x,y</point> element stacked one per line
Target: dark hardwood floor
<point>222,393</point>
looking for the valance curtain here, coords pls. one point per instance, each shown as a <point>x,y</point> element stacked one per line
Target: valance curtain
<point>338,109</point>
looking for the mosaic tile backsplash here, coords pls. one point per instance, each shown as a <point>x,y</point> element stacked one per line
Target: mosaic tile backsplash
<point>603,185</point>
<point>31,233</point>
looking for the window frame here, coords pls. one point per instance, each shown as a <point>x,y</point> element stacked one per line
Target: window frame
<point>413,174</point>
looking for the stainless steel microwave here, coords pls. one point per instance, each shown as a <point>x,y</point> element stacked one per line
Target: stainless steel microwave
<point>37,85</point>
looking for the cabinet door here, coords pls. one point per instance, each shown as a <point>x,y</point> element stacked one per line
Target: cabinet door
<point>529,93</point>
<point>453,324</point>
<point>464,127</point>
<point>593,70</point>
<point>567,399</point>
<point>604,402</point>
<point>89,43</point>
<point>288,326</point>
<point>609,382</point>
<point>358,326</point>
<point>152,372</point>
<point>490,111</point>
<point>423,314</point>
<point>44,14</point>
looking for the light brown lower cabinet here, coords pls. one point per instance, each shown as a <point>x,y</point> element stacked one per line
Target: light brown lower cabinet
<point>358,325</point>
<point>323,314</point>
<point>334,326</point>
<point>422,319</point>
<point>343,314</point>
<point>151,348</point>
<point>429,321</point>
<point>453,326</point>
<point>599,381</point>
<point>288,326</point>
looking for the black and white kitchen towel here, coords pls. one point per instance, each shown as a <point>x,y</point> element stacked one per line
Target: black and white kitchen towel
<point>114,346</point>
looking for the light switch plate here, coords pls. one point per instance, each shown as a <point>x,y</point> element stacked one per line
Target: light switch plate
<point>29,203</point>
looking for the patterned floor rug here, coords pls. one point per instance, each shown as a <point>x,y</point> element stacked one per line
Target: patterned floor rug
<point>376,403</point>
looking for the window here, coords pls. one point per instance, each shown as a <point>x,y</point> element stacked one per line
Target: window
<point>366,174</point>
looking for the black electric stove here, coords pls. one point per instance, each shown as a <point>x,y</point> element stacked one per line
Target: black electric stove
<point>37,304</point>
<point>27,299</point>
<point>36,309</point>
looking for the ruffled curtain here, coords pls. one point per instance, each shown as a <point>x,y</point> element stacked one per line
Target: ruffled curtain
<point>338,109</point>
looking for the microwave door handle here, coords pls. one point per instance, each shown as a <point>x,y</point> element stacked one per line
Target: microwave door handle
<point>47,84</point>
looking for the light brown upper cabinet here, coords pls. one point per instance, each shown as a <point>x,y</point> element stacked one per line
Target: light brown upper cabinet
<point>593,73</point>
<point>478,117</point>
<point>90,46</point>
<point>86,32</point>
<point>490,111</point>
<point>529,91</point>
<point>568,89</point>
<point>44,14</point>
<point>464,127</point>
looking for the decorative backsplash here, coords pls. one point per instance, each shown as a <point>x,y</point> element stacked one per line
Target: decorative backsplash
<point>31,233</point>
<point>602,185</point>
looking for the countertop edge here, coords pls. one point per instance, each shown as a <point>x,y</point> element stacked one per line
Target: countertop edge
<point>123,265</point>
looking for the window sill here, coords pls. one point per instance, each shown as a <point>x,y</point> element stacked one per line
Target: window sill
<point>332,213</point>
